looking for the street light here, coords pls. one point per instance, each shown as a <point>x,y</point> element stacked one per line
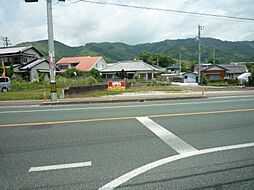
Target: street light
<point>52,64</point>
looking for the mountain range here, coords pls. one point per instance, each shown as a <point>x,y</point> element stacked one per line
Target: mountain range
<point>223,51</point>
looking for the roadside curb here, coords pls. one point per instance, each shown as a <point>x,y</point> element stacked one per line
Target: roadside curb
<point>121,100</point>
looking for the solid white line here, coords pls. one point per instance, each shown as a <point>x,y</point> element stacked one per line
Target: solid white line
<point>61,166</point>
<point>171,139</point>
<point>127,106</point>
<point>134,173</point>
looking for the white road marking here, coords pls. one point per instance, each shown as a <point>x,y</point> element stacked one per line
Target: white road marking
<point>134,173</point>
<point>61,166</point>
<point>171,139</point>
<point>126,106</point>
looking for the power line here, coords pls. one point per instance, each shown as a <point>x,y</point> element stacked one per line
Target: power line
<point>167,10</point>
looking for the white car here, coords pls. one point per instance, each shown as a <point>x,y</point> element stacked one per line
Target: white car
<point>5,84</point>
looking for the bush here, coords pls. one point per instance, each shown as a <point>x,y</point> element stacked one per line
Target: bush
<point>251,79</point>
<point>205,80</point>
<point>95,74</point>
<point>72,73</point>
<point>232,81</point>
<point>90,80</point>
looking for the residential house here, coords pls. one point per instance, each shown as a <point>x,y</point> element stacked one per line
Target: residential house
<point>215,73</point>
<point>28,62</point>
<point>234,70</point>
<point>189,77</point>
<point>84,64</point>
<point>173,69</point>
<point>131,68</point>
<point>202,67</point>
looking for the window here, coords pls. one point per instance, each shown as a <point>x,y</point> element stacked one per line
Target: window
<point>24,59</point>
<point>4,80</point>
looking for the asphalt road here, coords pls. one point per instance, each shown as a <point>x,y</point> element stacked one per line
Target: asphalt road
<point>187,144</point>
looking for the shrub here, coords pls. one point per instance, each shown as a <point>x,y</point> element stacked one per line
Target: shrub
<point>94,73</point>
<point>90,80</point>
<point>72,73</point>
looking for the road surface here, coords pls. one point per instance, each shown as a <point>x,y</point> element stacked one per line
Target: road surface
<point>185,144</point>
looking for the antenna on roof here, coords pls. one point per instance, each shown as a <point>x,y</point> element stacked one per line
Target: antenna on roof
<point>6,41</point>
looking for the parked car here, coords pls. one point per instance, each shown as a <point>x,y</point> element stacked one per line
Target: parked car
<point>5,84</point>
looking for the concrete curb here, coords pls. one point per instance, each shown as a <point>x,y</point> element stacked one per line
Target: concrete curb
<point>121,100</point>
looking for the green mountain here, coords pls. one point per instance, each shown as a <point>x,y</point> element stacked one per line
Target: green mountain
<point>225,51</point>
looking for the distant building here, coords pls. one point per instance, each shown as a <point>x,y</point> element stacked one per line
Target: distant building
<point>202,67</point>
<point>189,77</point>
<point>234,70</point>
<point>173,69</point>
<point>84,64</point>
<point>215,73</point>
<point>131,68</point>
<point>28,62</point>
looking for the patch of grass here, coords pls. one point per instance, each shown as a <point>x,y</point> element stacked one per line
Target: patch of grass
<point>95,94</point>
<point>217,83</point>
<point>24,95</point>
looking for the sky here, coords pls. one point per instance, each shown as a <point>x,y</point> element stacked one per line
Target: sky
<point>77,23</point>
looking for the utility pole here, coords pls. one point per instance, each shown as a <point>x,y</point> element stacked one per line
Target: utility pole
<point>213,56</point>
<point>6,42</point>
<point>180,61</point>
<point>52,64</point>
<point>199,52</point>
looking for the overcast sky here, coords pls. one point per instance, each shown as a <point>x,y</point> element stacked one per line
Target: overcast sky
<point>80,23</point>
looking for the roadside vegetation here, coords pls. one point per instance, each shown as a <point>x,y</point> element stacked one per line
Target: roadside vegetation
<point>23,90</point>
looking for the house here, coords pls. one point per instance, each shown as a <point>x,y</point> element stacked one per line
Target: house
<point>131,68</point>
<point>173,69</point>
<point>202,66</point>
<point>33,70</point>
<point>84,64</point>
<point>27,61</point>
<point>189,77</point>
<point>214,73</point>
<point>234,70</point>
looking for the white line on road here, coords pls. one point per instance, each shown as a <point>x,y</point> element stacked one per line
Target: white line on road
<point>61,166</point>
<point>126,106</point>
<point>134,173</point>
<point>171,139</point>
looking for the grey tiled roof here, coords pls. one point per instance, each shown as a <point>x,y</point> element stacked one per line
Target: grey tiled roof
<point>234,68</point>
<point>32,64</point>
<point>129,66</point>
<point>11,50</point>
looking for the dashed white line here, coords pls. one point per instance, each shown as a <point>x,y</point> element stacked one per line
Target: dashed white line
<point>61,166</point>
<point>134,173</point>
<point>171,139</point>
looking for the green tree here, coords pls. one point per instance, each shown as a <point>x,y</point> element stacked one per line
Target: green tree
<point>73,72</point>
<point>94,73</point>
<point>152,58</point>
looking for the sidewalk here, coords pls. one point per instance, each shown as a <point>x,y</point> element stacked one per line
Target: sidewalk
<point>129,97</point>
<point>132,97</point>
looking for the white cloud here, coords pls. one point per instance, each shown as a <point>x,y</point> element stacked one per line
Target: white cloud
<point>80,23</point>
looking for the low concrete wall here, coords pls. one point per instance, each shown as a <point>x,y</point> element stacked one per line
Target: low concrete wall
<point>85,89</point>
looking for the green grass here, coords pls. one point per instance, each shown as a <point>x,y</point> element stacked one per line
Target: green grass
<point>24,95</point>
<point>95,94</point>
<point>35,91</point>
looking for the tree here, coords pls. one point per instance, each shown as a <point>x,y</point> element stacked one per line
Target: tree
<point>94,73</point>
<point>73,72</point>
<point>152,58</point>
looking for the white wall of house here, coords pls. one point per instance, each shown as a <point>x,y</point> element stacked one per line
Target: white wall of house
<point>189,78</point>
<point>101,64</point>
